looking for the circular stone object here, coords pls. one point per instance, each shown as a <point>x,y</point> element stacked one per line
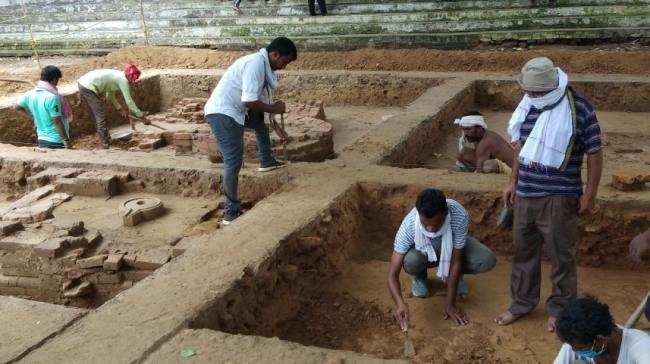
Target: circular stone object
<point>139,209</point>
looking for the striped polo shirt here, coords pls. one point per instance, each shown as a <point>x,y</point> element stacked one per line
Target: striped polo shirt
<point>539,181</point>
<point>405,238</point>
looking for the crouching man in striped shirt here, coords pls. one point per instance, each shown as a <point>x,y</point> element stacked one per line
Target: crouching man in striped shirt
<point>552,128</point>
<point>434,234</point>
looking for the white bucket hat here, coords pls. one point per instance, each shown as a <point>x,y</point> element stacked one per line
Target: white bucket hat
<point>538,75</point>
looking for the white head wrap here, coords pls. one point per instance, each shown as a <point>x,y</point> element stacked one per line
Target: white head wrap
<point>471,120</point>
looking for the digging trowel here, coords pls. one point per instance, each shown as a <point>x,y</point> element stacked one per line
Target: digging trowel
<point>145,122</point>
<point>409,349</point>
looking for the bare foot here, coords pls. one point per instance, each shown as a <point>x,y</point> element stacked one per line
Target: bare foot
<point>506,318</point>
<point>551,323</point>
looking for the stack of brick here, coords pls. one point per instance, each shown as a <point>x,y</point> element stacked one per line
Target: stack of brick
<point>67,267</point>
<point>149,144</point>
<point>311,136</point>
<point>40,273</point>
<point>183,143</point>
<point>95,183</point>
<point>188,110</point>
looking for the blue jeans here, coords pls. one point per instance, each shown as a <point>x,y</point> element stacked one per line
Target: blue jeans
<point>50,145</point>
<point>230,137</point>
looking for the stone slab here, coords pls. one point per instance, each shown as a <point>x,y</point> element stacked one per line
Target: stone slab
<point>151,259</point>
<point>92,262</point>
<point>10,227</point>
<point>97,183</point>
<point>83,289</point>
<point>113,262</point>
<point>93,237</point>
<point>39,210</point>
<point>29,199</point>
<point>50,248</point>
<point>24,324</point>
<point>50,175</point>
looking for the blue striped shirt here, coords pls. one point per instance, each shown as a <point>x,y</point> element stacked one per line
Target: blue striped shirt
<point>535,181</point>
<point>405,238</point>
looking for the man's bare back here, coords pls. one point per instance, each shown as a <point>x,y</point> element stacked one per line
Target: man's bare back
<point>493,146</point>
<point>480,149</point>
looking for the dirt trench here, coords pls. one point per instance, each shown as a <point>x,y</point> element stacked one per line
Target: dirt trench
<point>325,285</point>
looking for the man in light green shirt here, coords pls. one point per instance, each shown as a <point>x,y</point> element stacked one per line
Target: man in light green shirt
<point>50,111</point>
<point>106,82</point>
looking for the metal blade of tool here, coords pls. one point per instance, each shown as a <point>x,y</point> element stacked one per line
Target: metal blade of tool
<point>409,349</point>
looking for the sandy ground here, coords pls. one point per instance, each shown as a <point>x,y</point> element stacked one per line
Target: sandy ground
<point>354,313</point>
<point>38,321</point>
<point>623,59</point>
<point>352,122</point>
<point>102,215</point>
<point>354,310</point>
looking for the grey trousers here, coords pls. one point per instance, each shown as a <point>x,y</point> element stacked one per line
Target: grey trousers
<point>552,220</point>
<point>97,113</point>
<point>477,258</point>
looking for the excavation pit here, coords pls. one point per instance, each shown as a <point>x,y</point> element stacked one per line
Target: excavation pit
<point>621,107</point>
<point>63,240</point>
<point>175,98</point>
<point>325,284</point>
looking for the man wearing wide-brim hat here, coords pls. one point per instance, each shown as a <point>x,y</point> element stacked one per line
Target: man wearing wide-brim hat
<point>552,129</point>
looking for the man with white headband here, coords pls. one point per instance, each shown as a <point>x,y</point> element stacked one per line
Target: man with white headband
<point>552,128</point>
<point>481,150</point>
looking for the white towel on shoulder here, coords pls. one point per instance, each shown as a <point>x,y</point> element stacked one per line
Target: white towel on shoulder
<point>270,82</point>
<point>549,140</point>
<point>423,244</point>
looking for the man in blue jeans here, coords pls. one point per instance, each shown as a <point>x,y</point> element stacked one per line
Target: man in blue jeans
<point>242,98</point>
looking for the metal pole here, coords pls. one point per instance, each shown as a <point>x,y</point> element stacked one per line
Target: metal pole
<point>144,24</point>
<point>284,143</point>
<point>32,41</point>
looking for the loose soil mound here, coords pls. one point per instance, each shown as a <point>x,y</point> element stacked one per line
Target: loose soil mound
<point>571,59</point>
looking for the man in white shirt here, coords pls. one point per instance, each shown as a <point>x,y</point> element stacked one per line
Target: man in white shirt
<point>590,336</point>
<point>242,97</point>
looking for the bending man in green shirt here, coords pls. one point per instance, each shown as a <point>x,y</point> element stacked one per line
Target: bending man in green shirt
<point>106,82</point>
<point>51,112</point>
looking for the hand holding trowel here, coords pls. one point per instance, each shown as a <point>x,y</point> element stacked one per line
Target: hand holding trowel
<point>409,349</point>
<point>282,133</point>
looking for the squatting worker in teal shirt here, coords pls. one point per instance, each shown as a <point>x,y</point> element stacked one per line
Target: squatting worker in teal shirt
<point>51,112</point>
<point>106,82</point>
